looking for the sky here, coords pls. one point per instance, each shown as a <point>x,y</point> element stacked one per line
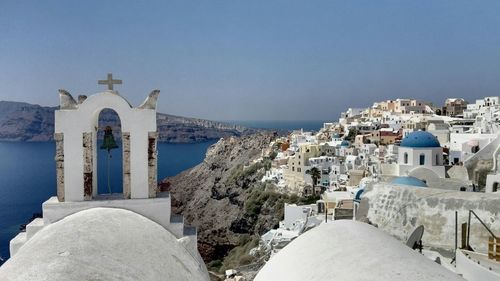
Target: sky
<point>252,60</point>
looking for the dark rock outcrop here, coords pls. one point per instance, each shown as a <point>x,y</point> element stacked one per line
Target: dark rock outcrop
<point>26,122</point>
<point>224,199</point>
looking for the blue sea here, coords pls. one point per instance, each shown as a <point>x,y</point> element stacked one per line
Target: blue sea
<point>28,178</point>
<point>308,125</point>
<point>28,174</point>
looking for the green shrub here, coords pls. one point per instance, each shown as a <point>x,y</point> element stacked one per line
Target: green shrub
<point>239,255</point>
<point>246,259</point>
<point>214,265</point>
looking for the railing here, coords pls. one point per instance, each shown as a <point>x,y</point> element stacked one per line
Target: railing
<point>493,241</point>
<point>481,221</point>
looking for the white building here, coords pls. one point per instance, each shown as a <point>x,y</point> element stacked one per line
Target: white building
<point>464,145</point>
<point>474,109</point>
<point>421,150</point>
<point>84,235</point>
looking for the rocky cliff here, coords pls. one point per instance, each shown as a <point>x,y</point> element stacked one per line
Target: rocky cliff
<point>30,122</point>
<point>224,198</point>
<point>26,122</point>
<point>211,196</point>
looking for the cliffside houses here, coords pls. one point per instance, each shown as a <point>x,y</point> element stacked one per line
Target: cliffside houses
<point>402,137</point>
<point>399,164</point>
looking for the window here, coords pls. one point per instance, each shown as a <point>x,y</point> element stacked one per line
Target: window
<point>495,187</point>
<point>437,159</point>
<point>406,158</point>
<point>299,170</point>
<point>422,159</point>
<point>475,149</point>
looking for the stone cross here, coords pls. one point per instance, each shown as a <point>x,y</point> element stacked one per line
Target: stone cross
<point>110,81</point>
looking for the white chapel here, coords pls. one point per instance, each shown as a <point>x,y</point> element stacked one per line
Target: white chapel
<point>421,153</point>
<point>84,235</point>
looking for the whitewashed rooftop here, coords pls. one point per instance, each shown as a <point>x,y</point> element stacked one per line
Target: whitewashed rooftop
<point>349,250</point>
<point>103,244</point>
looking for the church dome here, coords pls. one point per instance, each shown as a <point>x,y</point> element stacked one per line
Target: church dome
<point>420,139</point>
<point>358,194</point>
<point>409,181</point>
<point>344,143</point>
<point>103,244</point>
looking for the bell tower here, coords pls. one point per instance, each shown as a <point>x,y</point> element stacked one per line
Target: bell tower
<point>76,126</point>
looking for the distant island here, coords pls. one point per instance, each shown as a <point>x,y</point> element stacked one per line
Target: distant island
<point>24,122</point>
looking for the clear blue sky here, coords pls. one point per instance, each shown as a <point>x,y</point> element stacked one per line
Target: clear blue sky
<point>240,60</point>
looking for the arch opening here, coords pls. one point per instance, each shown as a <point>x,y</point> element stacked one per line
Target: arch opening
<point>109,164</point>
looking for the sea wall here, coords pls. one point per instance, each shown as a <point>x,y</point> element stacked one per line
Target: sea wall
<point>399,209</point>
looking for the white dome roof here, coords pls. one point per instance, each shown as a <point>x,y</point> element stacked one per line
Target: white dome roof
<point>349,250</point>
<point>103,244</point>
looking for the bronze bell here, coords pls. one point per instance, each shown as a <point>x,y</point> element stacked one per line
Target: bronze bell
<point>109,140</point>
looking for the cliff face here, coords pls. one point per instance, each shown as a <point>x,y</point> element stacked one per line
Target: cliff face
<point>181,129</point>
<point>26,122</point>
<point>29,122</point>
<point>222,198</point>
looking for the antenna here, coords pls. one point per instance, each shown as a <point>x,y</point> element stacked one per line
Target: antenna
<point>415,239</point>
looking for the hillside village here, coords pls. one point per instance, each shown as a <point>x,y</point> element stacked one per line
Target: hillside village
<point>397,164</point>
<point>392,191</point>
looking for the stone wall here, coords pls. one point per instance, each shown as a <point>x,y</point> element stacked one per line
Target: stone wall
<point>88,166</point>
<point>59,138</point>
<point>126,165</point>
<point>399,209</point>
<point>152,162</point>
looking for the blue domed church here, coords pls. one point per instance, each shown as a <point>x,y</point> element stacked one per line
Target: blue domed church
<point>421,156</point>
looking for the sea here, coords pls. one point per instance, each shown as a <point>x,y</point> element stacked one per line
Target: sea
<point>307,125</point>
<point>28,173</point>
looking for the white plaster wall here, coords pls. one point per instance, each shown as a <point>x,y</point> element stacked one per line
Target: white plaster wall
<point>414,156</point>
<point>155,209</point>
<point>399,209</point>
<point>457,140</point>
<point>472,271</point>
<point>490,181</point>
<point>292,214</point>
<point>74,122</point>
<point>414,160</point>
<point>443,136</point>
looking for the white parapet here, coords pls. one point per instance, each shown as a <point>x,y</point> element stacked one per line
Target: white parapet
<point>155,209</point>
<point>17,243</point>
<point>33,227</point>
<point>477,267</point>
